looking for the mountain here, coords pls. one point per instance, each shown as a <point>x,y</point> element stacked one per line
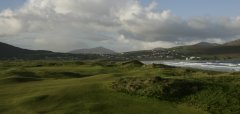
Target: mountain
<point>202,50</point>
<point>233,43</point>
<point>10,52</point>
<point>197,46</point>
<point>205,44</point>
<point>7,50</point>
<point>159,48</point>
<point>97,50</point>
<point>210,49</point>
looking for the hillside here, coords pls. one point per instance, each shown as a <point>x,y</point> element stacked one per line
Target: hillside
<point>92,87</point>
<point>77,87</point>
<point>11,52</point>
<point>196,47</point>
<point>230,50</point>
<point>210,49</point>
<point>205,44</point>
<point>7,51</point>
<point>97,50</point>
<point>233,43</point>
<point>205,50</point>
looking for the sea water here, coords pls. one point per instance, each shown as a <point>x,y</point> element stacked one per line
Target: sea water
<point>205,65</point>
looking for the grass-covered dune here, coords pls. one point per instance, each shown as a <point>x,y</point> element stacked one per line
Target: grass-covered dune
<point>105,87</point>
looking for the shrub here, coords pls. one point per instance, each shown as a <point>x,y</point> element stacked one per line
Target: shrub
<point>134,63</point>
<point>167,89</point>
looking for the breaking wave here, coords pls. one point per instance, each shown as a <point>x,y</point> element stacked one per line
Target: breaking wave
<point>216,66</point>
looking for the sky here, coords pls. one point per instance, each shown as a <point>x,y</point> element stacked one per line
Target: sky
<point>120,25</point>
<point>11,4</point>
<point>188,8</point>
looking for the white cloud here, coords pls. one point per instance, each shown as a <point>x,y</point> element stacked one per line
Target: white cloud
<point>8,24</point>
<point>63,25</point>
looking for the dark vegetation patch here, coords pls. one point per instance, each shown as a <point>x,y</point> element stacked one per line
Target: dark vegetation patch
<point>217,99</point>
<point>79,63</point>
<point>64,74</point>
<point>133,63</point>
<point>218,95</point>
<point>41,98</point>
<point>105,63</point>
<point>19,79</point>
<point>162,66</point>
<point>20,75</point>
<point>162,88</point>
<point>175,71</point>
<point>21,72</point>
<point>236,73</point>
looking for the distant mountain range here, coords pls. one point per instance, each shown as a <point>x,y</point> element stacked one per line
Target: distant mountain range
<point>11,52</point>
<point>233,43</point>
<point>205,48</point>
<point>97,50</point>
<point>7,50</point>
<point>206,44</point>
<point>202,49</point>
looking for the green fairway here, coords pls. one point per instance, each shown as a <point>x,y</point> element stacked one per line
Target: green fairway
<point>82,89</point>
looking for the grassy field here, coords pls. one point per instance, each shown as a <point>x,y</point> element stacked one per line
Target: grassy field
<point>103,87</point>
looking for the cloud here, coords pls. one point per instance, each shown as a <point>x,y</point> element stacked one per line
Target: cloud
<point>164,26</point>
<point>63,25</point>
<point>8,24</point>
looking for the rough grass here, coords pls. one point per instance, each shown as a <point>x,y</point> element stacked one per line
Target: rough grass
<point>90,95</point>
<point>161,88</point>
<point>84,87</point>
<point>214,92</point>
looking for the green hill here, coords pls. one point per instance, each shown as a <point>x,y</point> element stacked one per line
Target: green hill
<point>91,94</point>
<point>88,87</point>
